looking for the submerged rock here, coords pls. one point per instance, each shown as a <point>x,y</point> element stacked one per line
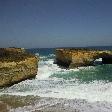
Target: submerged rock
<point>16,65</point>
<point>72,58</point>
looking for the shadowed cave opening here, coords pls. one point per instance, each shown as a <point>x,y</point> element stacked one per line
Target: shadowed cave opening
<point>105,58</point>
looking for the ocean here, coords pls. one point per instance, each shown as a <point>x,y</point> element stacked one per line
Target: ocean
<point>84,89</point>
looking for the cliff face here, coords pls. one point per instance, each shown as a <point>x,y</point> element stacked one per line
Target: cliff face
<point>16,65</point>
<point>72,58</point>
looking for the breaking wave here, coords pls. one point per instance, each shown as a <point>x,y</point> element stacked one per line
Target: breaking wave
<point>89,83</point>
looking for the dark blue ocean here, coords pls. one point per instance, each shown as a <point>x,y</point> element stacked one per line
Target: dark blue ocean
<point>93,83</point>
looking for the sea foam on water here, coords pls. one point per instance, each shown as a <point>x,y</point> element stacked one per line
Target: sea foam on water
<point>53,88</point>
<point>46,86</point>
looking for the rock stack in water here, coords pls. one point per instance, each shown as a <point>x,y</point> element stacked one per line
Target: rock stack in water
<point>16,65</point>
<point>72,58</point>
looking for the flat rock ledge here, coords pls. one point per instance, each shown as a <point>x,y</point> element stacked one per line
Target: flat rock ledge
<point>16,65</point>
<point>72,58</point>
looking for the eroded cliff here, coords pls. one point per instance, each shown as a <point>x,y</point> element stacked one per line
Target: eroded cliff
<point>72,58</point>
<point>16,65</point>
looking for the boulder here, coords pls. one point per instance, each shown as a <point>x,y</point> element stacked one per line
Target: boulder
<point>16,65</point>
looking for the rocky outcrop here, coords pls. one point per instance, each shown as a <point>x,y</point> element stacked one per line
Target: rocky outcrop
<point>72,58</point>
<point>16,65</point>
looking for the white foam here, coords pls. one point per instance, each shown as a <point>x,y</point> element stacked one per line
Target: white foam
<point>45,86</point>
<point>37,54</point>
<point>47,68</point>
<point>99,59</point>
<point>52,55</point>
<point>95,91</point>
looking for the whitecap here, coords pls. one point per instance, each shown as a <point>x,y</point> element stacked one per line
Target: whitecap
<point>46,86</point>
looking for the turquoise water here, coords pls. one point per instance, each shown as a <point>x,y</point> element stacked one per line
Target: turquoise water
<point>87,74</point>
<point>92,83</point>
<point>100,72</point>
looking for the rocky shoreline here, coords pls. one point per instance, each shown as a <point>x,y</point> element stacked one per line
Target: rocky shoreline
<point>16,65</point>
<point>42,104</point>
<point>72,58</point>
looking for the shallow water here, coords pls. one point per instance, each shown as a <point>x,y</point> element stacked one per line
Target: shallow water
<point>86,89</point>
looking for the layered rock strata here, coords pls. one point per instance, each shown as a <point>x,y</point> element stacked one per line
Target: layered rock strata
<point>16,65</point>
<point>72,58</point>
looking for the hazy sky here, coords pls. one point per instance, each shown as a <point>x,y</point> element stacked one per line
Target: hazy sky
<point>55,23</point>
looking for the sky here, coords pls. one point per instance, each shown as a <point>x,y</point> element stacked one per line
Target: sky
<point>55,23</point>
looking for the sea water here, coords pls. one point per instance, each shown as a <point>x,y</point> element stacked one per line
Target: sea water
<point>92,84</point>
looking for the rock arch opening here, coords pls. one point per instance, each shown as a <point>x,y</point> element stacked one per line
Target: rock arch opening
<point>104,58</point>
